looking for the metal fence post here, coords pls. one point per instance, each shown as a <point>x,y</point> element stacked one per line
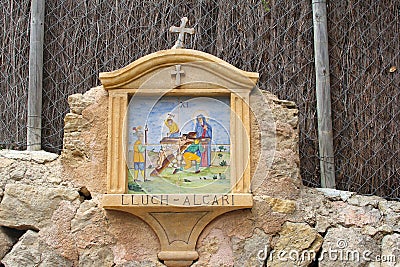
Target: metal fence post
<point>34,123</point>
<point>325,134</point>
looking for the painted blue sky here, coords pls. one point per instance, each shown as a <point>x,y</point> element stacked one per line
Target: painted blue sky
<point>148,110</point>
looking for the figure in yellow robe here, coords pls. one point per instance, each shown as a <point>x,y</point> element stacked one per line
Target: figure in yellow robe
<point>173,128</point>
<point>138,157</point>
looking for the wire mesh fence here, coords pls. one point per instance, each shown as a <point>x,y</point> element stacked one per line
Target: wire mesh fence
<point>365,85</point>
<point>14,68</point>
<point>274,38</point>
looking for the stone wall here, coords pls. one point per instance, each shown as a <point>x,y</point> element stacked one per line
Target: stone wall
<point>50,213</point>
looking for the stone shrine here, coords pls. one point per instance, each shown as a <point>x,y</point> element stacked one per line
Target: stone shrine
<point>163,107</point>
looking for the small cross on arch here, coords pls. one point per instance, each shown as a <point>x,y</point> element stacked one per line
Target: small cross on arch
<point>177,72</point>
<point>181,30</point>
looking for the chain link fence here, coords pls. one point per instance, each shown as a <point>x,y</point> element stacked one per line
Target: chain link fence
<point>14,68</point>
<point>365,85</point>
<point>274,38</point>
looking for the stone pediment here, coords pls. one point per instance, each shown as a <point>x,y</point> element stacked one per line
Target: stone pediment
<point>201,70</point>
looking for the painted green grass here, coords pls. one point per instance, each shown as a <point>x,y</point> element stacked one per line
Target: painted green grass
<point>217,157</point>
<point>184,182</point>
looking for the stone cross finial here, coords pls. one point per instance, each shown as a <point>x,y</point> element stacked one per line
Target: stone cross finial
<point>182,30</point>
<point>177,72</point>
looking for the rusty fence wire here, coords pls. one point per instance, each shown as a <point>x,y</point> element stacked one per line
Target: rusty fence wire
<point>274,38</point>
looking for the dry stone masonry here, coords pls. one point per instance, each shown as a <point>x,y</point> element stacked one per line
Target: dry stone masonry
<point>50,212</point>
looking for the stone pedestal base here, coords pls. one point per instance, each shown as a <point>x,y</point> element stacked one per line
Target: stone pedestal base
<point>178,220</point>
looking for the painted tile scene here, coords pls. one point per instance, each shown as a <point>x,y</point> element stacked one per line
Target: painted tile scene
<point>178,145</point>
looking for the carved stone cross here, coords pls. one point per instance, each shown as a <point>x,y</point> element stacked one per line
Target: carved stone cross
<point>182,30</point>
<point>177,72</point>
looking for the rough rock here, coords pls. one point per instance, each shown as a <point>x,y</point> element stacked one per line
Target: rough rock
<point>239,219</point>
<point>90,227</point>
<point>141,264</point>
<point>391,214</point>
<point>36,156</point>
<point>18,173</point>
<point>285,103</point>
<point>282,180</point>
<point>322,223</point>
<point>362,201</point>
<point>215,250</point>
<point>74,123</point>
<point>325,211</point>
<point>5,244</point>
<point>391,251</point>
<point>84,155</point>
<point>348,247</point>
<point>97,256</point>
<point>292,242</point>
<point>334,194</point>
<point>278,204</point>
<point>77,102</point>
<point>134,240</point>
<point>251,251</point>
<point>58,234</point>
<point>31,168</point>
<point>310,204</point>
<point>30,251</point>
<point>275,141</point>
<point>4,161</point>
<point>359,216</point>
<point>31,207</point>
<point>8,237</point>
<point>271,222</point>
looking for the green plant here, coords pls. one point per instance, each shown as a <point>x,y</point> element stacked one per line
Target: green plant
<point>265,4</point>
<point>223,163</point>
